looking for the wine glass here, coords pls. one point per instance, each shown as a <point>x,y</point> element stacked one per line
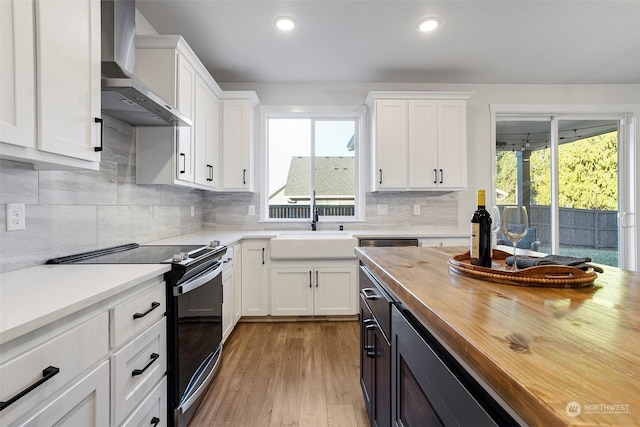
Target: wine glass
<point>515,223</point>
<point>495,225</point>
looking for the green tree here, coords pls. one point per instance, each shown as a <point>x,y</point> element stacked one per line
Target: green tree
<point>588,174</point>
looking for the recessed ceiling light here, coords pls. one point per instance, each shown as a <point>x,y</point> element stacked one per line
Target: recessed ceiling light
<point>285,23</point>
<point>428,24</point>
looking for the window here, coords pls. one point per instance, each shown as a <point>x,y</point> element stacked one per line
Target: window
<point>312,163</point>
<point>567,169</point>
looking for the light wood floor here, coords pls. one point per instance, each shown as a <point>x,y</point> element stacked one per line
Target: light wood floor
<point>287,374</point>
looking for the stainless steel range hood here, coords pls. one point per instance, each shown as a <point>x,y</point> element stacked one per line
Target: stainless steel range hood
<point>123,96</point>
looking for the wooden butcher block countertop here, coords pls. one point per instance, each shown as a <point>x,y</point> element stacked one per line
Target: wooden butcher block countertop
<point>556,356</point>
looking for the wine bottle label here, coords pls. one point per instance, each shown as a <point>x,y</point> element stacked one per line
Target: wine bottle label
<point>474,247</point>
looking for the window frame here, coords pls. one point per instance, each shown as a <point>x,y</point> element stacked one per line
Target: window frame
<point>355,113</point>
<point>627,175</point>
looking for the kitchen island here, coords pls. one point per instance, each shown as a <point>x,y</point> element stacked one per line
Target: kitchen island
<point>552,356</point>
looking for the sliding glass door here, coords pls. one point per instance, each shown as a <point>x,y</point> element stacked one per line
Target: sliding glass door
<point>567,172</point>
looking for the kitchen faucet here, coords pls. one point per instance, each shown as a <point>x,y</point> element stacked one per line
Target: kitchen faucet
<point>315,218</point>
<point>314,222</point>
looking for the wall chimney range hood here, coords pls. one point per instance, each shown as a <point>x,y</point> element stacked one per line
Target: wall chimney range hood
<point>124,97</point>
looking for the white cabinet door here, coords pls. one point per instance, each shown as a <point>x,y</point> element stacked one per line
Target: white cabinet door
<point>237,283</point>
<point>390,130</point>
<point>186,101</point>
<point>255,278</point>
<point>292,290</point>
<point>68,77</point>
<point>152,411</point>
<point>86,403</point>
<point>227,299</point>
<point>452,143</point>
<point>17,74</point>
<point>335,291</point>
<point>207,130</point>
<point>237,145</point>
<point>136,368</point>
<point>420,143</point>
<point>319,288</point>
<point>423,143</point>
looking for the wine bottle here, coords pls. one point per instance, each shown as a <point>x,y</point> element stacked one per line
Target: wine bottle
<point>480,249</point>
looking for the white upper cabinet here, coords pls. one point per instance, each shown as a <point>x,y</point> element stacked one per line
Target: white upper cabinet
<point>207,135</point>
<point>53,46</point>
<point>419,141</point>
<point>238,121</point>
<point>180,155</point>
<point>17,74</point>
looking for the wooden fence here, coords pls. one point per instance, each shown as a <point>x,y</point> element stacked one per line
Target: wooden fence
<point>589,228</point>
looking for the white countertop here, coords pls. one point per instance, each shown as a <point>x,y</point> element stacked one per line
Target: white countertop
<point>33,297</point>
<point>230,237</point>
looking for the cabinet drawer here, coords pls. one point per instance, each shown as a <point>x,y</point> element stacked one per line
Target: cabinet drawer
<point>136,369</point>
<point>152,409</point>
<point>137,314</point>
<point>86,403</point>
<point>72,352</point>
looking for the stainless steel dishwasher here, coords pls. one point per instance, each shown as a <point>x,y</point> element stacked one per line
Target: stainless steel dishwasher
<point>389,242</point>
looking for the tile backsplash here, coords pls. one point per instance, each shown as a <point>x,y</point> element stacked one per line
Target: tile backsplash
<point>438,212</point>
<point>74,211</point>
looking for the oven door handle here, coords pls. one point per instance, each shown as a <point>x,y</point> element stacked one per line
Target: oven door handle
<point>197,281</point>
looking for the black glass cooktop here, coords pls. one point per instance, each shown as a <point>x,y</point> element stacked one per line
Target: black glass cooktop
<point>134,254</point>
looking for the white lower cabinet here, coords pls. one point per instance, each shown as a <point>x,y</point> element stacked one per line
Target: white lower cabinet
<point>237,283</point>
<point>228,291</point>
<point>152,411</point>
<point>53,364</point>
<point>74,372</point>
<point>255,277</point>
<point>86,404</point>
<point>136,369</point>
<point>321,288</point>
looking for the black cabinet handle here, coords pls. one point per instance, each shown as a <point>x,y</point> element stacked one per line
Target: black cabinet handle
<point>48,373</point>
<point>184,162</point>
<point>99,120</point>
<point>154,357</point>
<point>154,305</point>
<point>316,278</point>
<point>370,349</point>
<point>380,176</point>
<point>155,421</point>
<point>309,278</point>
<point>435,176</point>
<point>441,176</point>
<point>244,176</point>
<point>263,255</point>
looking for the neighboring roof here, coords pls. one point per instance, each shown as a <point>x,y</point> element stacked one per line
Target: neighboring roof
<point>335,176</point>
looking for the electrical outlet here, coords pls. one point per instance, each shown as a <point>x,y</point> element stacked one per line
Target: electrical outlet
<point>383,210</point>
<point>15,217</point>
<point>416,209</point>
<point>252,210</point>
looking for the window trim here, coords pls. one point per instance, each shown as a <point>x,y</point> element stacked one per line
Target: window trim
<point>316,112</point>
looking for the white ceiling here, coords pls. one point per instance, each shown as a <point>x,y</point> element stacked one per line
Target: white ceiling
<point>479,41</point>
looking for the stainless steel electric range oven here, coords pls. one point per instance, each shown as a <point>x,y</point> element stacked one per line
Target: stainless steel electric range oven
<point>194,314</point>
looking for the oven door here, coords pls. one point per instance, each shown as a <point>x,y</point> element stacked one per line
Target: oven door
<point>198,336</point>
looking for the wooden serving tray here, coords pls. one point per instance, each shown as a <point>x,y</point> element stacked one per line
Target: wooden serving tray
<point>546,276</point>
